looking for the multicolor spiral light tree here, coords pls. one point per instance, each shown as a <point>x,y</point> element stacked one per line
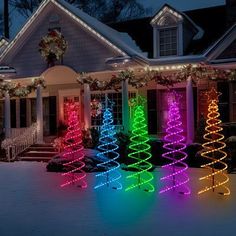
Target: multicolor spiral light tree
<point>213,149</point>
<point>108,153</point>
<point>74,150</point>
<point>176,177</point>
<point>140,151</point>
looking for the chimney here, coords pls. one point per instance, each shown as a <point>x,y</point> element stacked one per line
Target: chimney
<point>231,12</point>
<point>6,18</point>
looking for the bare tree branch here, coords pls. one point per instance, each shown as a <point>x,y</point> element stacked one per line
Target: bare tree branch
<point>104,10</point>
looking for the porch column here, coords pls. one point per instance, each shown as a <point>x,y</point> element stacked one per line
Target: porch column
<point>17,113</point>
<point>190,111</point>
<point>39,110</point>
<point>125,105</point>
<point>87,107</point>
<point>7,115</point>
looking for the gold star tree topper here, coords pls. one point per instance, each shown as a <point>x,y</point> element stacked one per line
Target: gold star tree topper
<point>213,94</point>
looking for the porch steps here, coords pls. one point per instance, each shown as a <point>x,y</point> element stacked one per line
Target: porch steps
<point>38,152</point>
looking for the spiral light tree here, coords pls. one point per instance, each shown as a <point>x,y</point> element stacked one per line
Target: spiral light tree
<point>140,151</point>
<point>108,153</point>
<point>176,176</point>
<point>213,149</point>
<point>74,150</point>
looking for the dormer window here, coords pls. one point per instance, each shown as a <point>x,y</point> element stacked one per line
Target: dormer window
<point>168,33</point>
<point>168,41</point>
<point>172,32</point>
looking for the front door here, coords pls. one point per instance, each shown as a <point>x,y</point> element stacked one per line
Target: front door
<point>74,99</point>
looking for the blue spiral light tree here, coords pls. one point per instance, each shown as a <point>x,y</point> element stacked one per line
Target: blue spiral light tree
<point>108,151</point>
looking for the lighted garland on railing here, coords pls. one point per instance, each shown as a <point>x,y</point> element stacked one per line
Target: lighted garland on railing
<point>108,149</point>
<point>74,150</point>
<point>19,90</point>
<point>176,177</point>
<point>213,149</point>
<point>140,151</point>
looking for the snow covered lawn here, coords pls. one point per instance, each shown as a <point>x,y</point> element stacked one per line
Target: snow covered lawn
<point>33,204</point>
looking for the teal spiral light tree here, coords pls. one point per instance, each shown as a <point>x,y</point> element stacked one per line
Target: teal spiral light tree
<point>139,148</point>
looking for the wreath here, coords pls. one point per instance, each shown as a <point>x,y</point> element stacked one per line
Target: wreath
<point>96,108</point>
<point>52,46</point>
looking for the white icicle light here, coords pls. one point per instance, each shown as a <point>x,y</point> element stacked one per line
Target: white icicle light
<point>38,11</point>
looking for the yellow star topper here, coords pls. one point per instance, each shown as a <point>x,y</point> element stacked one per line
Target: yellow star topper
<point>213,95</point>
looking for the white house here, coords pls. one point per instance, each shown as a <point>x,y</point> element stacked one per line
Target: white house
<point>167,42</point>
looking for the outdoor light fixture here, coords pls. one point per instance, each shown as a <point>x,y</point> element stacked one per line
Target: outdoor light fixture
<point>213,148</point>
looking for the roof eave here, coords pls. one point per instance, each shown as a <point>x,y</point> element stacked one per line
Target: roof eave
<point>176,60</point>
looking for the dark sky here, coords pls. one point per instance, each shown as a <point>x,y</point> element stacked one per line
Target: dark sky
<point>182,4</point>
<point>153,6</point>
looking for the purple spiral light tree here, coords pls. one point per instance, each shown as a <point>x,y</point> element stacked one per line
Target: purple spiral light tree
<point>174,145</point>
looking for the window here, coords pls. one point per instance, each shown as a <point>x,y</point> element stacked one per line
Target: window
<point>163,109</point>
<point>223,88</point>
<point>116,98</point>
<point>168,41</point>
<point>152,111</point>
<point>234,102</point>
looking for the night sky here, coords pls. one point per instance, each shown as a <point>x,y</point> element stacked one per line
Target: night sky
<point>152,5</point>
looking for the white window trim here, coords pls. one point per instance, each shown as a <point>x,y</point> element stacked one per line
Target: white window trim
<point>156,40</point>
<point>112,91</point>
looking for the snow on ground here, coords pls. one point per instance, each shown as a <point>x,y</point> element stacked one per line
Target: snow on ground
<point>33,204</point>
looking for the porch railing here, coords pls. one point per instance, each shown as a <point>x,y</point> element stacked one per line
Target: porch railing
<point>15,132</point>
<point>20,140</point>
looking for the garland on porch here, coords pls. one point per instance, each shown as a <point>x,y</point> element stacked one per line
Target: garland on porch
<point>202,71</point>
<point>206,72</point>
<point>19,90</point>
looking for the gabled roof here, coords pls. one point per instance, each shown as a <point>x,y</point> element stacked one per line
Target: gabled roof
<point>166,8</point>
<point>207,18</point>
<point>3,43</point>
<point>179,16</point>
<point>221,44</point>
<point>120,42</point>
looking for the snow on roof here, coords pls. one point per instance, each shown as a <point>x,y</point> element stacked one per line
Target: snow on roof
<point>180,15</point>
<point>120,42</point>
<point>3,43</point>
<point>120,39</point>
<point>220,42</point>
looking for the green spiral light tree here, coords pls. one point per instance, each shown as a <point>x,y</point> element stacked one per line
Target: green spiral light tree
<point>140,151</point>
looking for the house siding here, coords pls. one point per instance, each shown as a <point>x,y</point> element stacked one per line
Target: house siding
<point>85,52</point>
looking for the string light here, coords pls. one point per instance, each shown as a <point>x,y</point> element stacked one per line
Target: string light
<point>175,146</point>
<point>213,148</point>
<point>140,150</point>
<point>163,11</point>
<point>74,150</point>
<point>108,154</point>
<point>73,16</point>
